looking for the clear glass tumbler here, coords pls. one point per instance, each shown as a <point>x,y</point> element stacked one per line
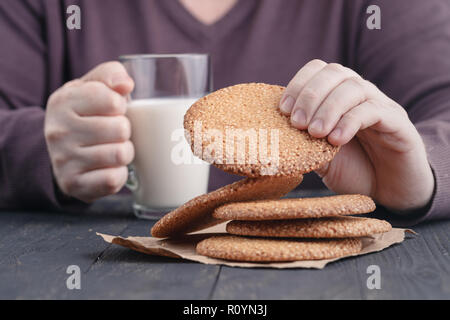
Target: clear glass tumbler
<point>164,173</point>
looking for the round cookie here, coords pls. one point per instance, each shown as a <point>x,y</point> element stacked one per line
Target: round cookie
<point>196,214</point>
<point>285,209</point>
<point>273,250</point>
<point>234,116</point>
<point>335,227</point>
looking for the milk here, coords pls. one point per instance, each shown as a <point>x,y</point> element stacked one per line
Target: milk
<point>162,182</point>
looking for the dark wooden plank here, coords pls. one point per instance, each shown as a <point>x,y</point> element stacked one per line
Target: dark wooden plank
<point>416,269</point>
<point>124,274</point>
<point>235,283</point>
<point>36,249</point>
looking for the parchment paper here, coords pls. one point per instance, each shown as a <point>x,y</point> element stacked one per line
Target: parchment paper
<point>184,248</point>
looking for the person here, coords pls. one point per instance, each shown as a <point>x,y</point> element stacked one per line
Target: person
<point>382,94</point>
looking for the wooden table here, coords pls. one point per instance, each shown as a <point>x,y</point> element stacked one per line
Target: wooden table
<point>36,249</point>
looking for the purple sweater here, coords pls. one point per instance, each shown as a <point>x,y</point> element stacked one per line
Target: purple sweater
<point>257,41</point>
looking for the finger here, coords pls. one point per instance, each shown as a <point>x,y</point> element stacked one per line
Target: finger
<point>105,156</point>
<point>95,184</point>
<point>91,131</point>
<point>359,118</point>
<point>344,97</point>
<point>323,170</point>
<point>297,83</point>
<point>73,83</point>
<point>114,75</point>
<point>96,99</point>
<point>315,92</point>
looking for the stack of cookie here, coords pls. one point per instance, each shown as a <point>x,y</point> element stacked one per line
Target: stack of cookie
<point>317,228</point>
<point>240,130</point>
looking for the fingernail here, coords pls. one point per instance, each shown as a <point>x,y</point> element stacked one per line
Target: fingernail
<point>299,118</point>
<point>316,126</point>
<point>287,104</point>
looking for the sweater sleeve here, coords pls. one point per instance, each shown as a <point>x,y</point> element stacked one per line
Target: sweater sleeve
<point>408,59</point>
<point>26,179</point>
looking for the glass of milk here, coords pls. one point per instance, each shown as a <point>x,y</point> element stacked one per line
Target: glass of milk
<point>164,173</point>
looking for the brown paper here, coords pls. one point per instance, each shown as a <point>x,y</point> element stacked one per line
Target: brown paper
<point>185,248</point>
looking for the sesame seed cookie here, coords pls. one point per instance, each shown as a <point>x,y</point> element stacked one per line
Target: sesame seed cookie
<point>273,250</point>
<point>196,214</point>
<point>335,227</point>
<point>296,208</point>
<point>240,130</point>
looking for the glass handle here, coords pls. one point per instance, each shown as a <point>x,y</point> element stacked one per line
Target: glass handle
<point>132,182</point>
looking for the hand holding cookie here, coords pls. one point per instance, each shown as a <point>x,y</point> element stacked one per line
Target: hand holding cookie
<point>382,153</point>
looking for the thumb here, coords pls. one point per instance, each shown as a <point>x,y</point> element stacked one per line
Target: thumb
<point>113,75</point>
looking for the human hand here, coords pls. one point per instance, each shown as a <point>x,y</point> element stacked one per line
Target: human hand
<point>382,153</point>
<point>87,133</point>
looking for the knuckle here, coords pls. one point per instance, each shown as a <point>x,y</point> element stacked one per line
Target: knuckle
<point>373,104</point>
<point>365,85</point>
<point>317,63</point>
<point>64,185</point>
<point>101,94</point>
<point>121,155</point>
<point>395,110</point>
<point>68,95</point>
<point>123,128</point>
<point>116,103</point>
<point>53,135</point>
<point>356,82</point>
<point>331,105</point>
<point>59,97</point>
<point>131,153</point>
<point>369,86</point>
<point>294,87</point>
<point>93,88</point>
<point>112,65</point>
<point>335,67</point>
<point>54,99</point>
<point>69,184</point>
<point>127,153</point>
<point>110,101</point>
<point>73,83</point>
<point>59,160</point>
<point>402,111</point>
<point>350,117</point>
<point>112,183</point>
<point>308,94</point>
